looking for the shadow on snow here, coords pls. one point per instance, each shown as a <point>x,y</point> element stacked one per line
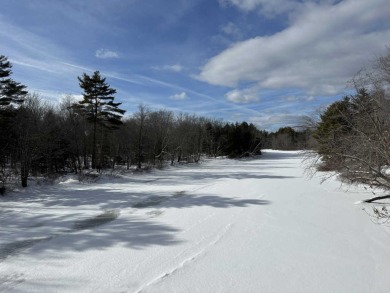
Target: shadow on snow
<point>114,224</point>
<point>109,228</point>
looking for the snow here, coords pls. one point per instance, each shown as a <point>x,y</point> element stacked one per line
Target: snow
<point>253,225</point>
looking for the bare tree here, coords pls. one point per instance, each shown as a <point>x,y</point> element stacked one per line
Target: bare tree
<point>74,131</point>
<point>141,117</point>
<point>161,125</point>
<point>28,127</point>
<point>354,134</point>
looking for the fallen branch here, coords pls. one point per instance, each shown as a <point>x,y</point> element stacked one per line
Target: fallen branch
<point>376,198</point>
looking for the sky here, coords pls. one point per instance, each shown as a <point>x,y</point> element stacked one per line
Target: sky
<point>261,61</point>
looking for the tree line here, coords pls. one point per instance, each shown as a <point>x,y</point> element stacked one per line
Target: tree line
<point>289,138</point>
<point>41,139</point>
<point>38,138</point>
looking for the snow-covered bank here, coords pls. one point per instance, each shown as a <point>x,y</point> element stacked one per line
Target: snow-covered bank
<point>256,225</point>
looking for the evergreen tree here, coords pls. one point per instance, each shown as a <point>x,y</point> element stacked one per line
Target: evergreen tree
<point>98,106</point>
<point>11,92</point>
<point>332,131</point>
<point>242,140</point>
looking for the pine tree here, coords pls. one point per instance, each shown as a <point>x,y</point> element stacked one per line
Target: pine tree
<point>98,106</point>
<point>11,92</point>
<point>334,127</point>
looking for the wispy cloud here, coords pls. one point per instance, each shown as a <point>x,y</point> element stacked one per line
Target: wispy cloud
<point>231,29</point>
<point>30,50</point>
<point>214,100</point>
<point>179,97</point>
<point>293,99</point>
<point>34,64</point>
<point>271,8</point>
<point>174,68</point>
<point>106,54</point>
<point>272,122</point>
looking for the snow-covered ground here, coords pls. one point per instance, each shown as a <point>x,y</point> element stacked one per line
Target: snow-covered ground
<point>256,225</point>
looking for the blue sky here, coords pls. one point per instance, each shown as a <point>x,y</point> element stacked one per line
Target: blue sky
<point>265,62</point>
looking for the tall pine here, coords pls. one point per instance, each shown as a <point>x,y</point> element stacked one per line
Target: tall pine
<point>11,92</point>
<point>98,107</point>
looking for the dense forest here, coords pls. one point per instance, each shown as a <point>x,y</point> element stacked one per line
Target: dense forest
<point>350,136</point>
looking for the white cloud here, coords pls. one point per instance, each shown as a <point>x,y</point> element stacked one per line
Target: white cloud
<point>273,122</point>
<point>106,54</point>
<point>243,96</point>
<point>174,68</point>
<point>179,97</point>
<point>323,47</point>
<point>231,29</point>
<point>266,7</point>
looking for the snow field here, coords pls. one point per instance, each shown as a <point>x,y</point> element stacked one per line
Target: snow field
<point>254,225</point>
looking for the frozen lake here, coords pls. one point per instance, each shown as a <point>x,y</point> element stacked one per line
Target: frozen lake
<point>256,225</point>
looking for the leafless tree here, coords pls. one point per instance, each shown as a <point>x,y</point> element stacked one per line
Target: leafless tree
<point>141,117</point>
<point>161,128</point>
<point>354,134</point>
<point>28,128</point>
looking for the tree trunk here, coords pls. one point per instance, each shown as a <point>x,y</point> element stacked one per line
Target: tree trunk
<point>94,146</point>
<point>179,157</point>
<point>128,162</point>
<point>24,175</point>
<point>74,162</point>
